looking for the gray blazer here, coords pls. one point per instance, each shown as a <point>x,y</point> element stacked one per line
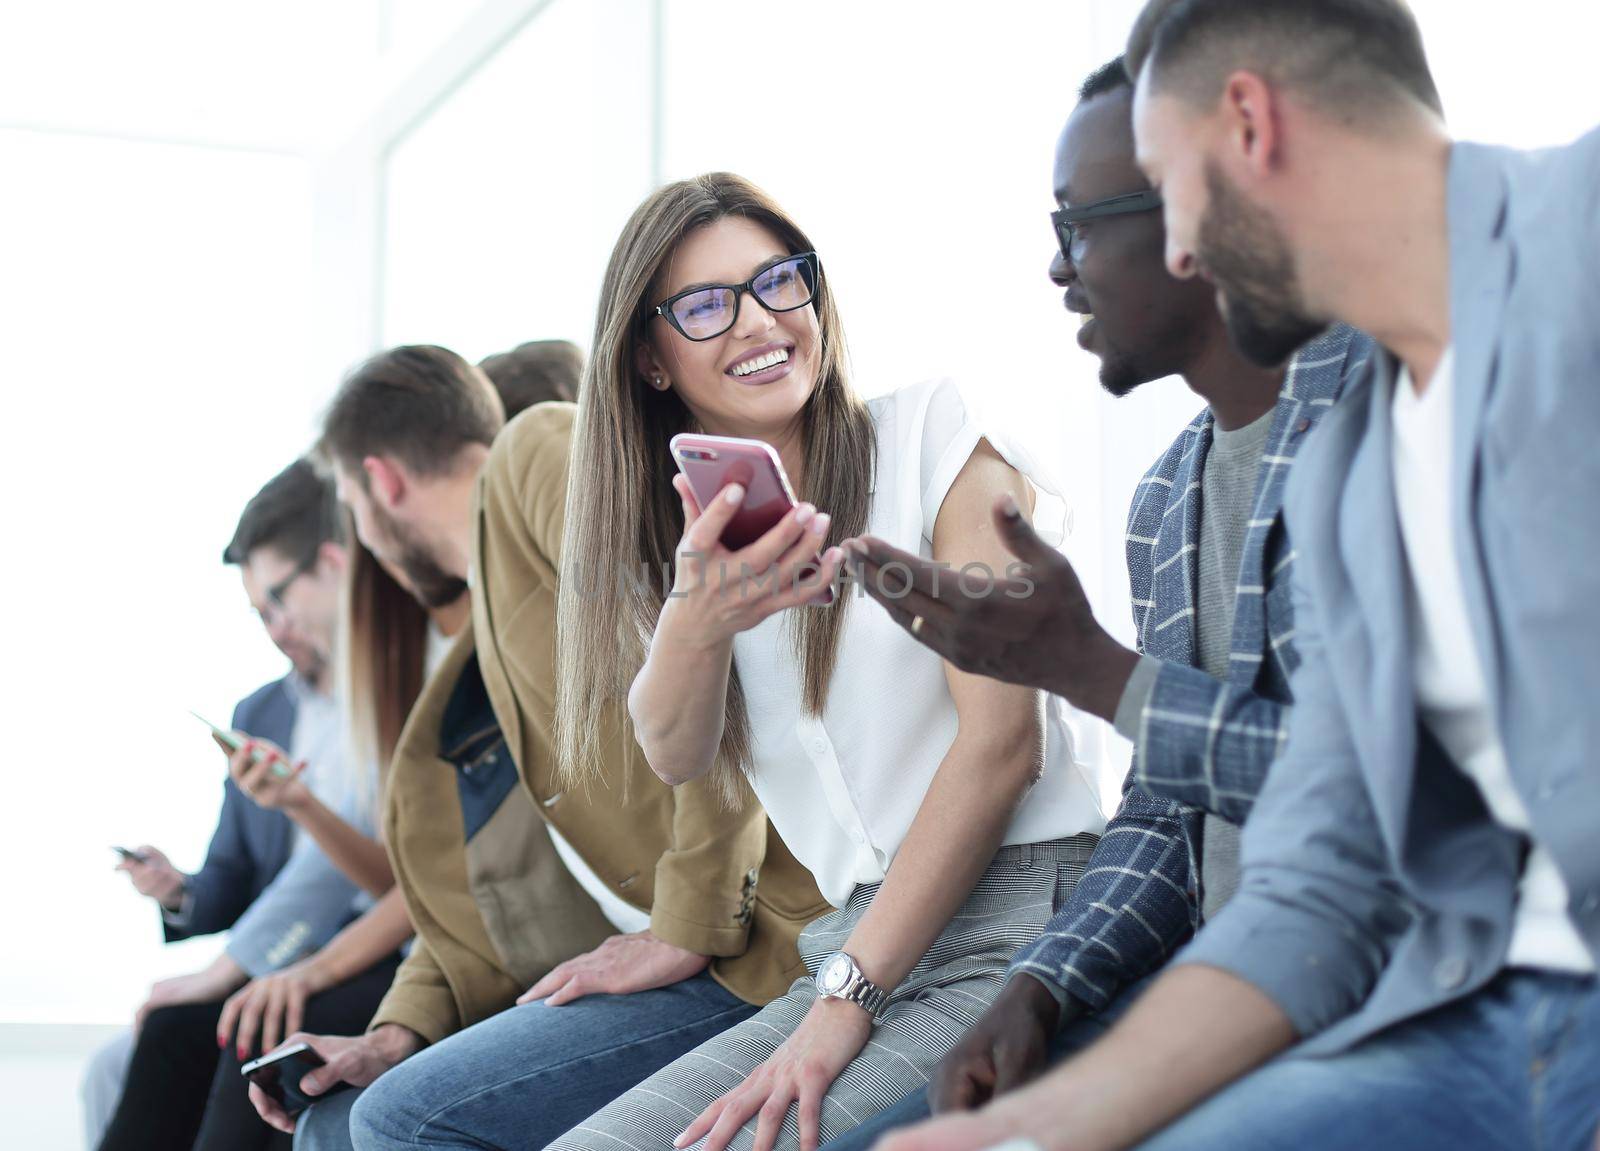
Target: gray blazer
<point>1376,886</point>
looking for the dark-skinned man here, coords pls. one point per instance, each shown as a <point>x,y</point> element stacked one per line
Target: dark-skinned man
<point>1205,698</point>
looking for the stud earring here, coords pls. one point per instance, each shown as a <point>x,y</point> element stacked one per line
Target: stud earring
<point>658,382</point>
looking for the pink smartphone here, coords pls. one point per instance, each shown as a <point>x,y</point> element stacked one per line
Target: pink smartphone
<point>711,463</point>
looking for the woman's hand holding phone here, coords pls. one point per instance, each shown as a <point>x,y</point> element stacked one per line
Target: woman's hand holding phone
<point>719,593</point>
<point>263,772</point>
<point>678,700</point>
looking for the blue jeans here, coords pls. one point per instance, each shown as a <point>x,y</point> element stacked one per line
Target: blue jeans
<point>326,1127</point>
<point>528,1074</point>
<point>1071,1039</point>
<point>1516,1066</point>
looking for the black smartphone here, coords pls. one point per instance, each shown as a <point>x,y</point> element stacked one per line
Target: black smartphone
<point>279,1075</point>
<point>130,856</point>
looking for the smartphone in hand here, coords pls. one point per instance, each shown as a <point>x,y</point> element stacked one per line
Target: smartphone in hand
<point>279,1075</point>
<point>711,463</point>
<point>129,856</point>
<point>231,742</point>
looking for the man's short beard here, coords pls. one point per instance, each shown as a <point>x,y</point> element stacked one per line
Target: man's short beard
<point>435,587</point>
<point>430,583</point>
<point>311,666</point>
<point>1118,376</point>
<point>1247,257</point>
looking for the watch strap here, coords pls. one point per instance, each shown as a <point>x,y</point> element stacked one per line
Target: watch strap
<point>868,996</point>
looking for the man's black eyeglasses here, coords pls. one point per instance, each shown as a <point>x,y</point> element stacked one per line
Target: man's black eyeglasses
<point>1065,220</point>
<point>705,313</point>
<point>277,591</point>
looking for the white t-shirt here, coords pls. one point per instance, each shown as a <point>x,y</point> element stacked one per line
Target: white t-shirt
<point>842,788</point>
<point>1452,695</point>
<point>340,782</point>
<point>434,650</point>
<point>319,740</point>
<point>623,915</point>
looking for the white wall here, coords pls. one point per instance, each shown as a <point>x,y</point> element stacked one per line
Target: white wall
<point>154,298</point>
<point>155,220</point>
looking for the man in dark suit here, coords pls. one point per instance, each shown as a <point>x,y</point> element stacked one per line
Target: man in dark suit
<point>250,844</point>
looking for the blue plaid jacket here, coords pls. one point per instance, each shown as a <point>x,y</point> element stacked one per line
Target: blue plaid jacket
<point>1204,744</point>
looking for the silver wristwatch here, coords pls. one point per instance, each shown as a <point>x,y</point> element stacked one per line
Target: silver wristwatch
<point>840,978</point>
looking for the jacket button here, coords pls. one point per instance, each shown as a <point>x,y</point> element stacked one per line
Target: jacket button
<point>1450,973</point>
<point>1591,902</point>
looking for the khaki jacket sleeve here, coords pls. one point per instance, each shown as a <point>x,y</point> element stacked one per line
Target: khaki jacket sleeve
<point>705,880</point>
<point>420,999</point>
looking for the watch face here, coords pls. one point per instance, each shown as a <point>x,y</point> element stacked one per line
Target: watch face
<point>835,974</point>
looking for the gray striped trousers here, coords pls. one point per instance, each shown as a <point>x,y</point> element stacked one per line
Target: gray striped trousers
<point>944,995</point>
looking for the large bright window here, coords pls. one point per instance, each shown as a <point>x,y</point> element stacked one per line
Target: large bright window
<point>502,205</point>
<point>154,297</point>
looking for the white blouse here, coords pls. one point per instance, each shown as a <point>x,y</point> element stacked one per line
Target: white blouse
<point>842,788</point>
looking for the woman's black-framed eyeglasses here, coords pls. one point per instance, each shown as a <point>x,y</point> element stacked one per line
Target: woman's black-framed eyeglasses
<point>1066,219</point>
<point>705,313</point>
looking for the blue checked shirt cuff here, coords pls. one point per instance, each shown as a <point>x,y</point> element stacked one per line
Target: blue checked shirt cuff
<point>1130,708</point>
<point>1129,912</point>
<point>1207,744</point>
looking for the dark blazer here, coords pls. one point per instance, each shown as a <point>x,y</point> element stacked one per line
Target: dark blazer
<point>251,844</point>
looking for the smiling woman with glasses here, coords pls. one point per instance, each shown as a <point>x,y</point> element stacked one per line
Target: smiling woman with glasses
<point>941,817</point>
<point>905,787</point>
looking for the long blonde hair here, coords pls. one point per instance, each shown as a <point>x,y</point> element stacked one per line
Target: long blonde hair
<point>623,518</point>
<point>382,659</point>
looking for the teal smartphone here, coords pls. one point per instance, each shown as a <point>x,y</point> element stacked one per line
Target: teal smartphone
<point>232,742</point>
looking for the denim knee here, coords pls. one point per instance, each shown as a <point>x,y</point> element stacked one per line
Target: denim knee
<point>383,1117</point>
<point>326,1126</point>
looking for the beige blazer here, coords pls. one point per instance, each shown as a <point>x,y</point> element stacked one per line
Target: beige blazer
<point>714,881</point>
